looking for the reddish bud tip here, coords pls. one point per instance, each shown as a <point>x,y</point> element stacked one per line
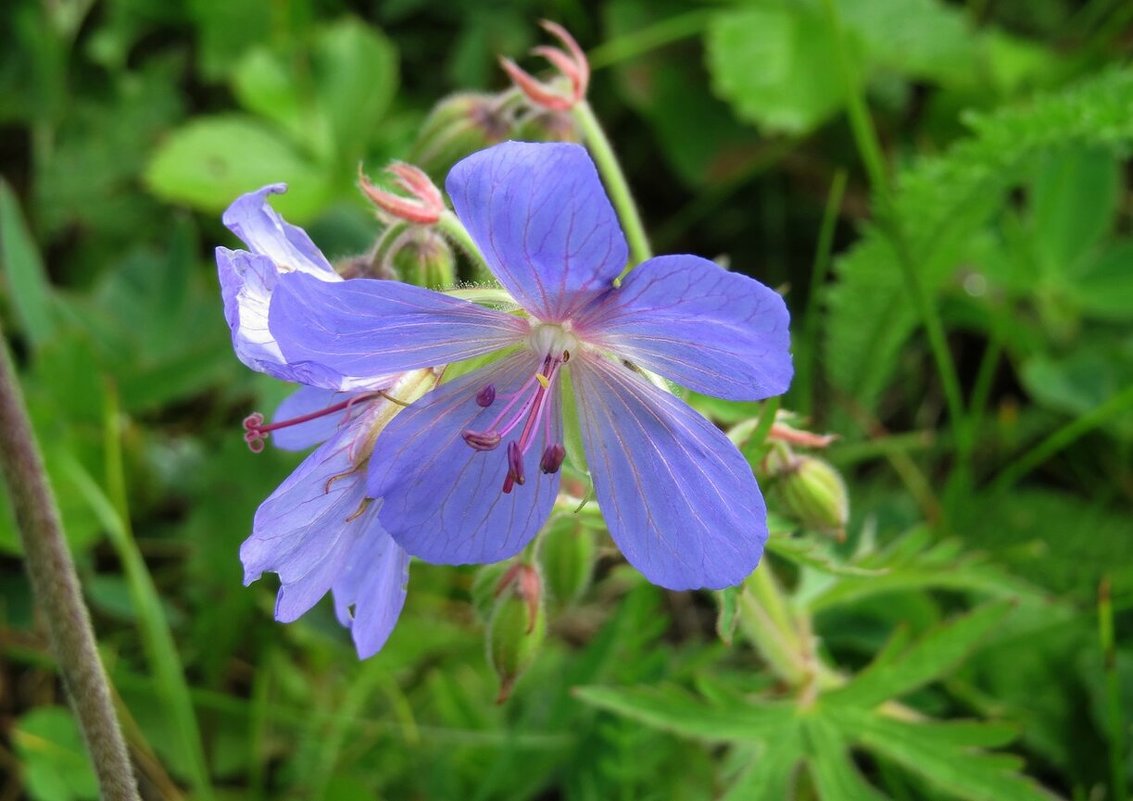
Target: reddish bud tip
<point>570,63</point>
<point>423,205</point>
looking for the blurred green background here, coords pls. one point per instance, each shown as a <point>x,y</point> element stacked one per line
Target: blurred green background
<point>939,188</point>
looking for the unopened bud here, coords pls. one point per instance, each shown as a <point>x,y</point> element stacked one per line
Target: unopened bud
<point>542,125</point>
<point>813,492</point>
<point>485,588</point>
<point>421,203</point>
<point>572,67</point>
<point>423,257</point>
<point>458,126</point>
<point>567,554</point>
<point>518,627</point>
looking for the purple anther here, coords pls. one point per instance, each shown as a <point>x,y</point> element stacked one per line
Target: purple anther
<point>514,463</point>
<point>553,457</point>
<point>481,440</point>
<point>486,396</point>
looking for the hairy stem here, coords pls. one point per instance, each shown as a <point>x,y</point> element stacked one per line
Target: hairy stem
<point>615,182</point>
<point>55,587</point>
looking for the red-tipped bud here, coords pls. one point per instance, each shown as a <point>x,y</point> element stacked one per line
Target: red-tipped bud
<point>422,205</point>
<point>570,63</point>
<point>795,436</point>
<point>518,626</point>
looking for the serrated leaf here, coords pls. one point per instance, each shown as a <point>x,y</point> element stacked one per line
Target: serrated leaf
<point>831,766</point>
<point>209,162</point>
<point>775,67</point>
<point>676,711</point>
<point>942,755</point>
<point>927,660</point>
<point>28,290</point>
<point>808,553</point>
<point>941,202</point>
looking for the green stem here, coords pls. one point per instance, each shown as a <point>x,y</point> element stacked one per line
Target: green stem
<point>1116,721</point>
<point>808,351</point>
<point>453,229</point>
<point>871,154</point>
<point>55,588</point>
<point>615,181</point>
<point>1062,438</point>
<point>632,45</point>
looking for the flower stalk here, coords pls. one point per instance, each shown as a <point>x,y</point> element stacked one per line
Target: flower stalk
<point>55,588</point>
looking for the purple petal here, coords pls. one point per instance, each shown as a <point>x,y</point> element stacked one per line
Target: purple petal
<point>370,591</point>
<point>442,499</point>
<point>308,527</point>
<point>369,327</point>
<point>261,228</point>
<point>540,216</point>
<point>247,283</point>
<point>679,499</point>
<point>714,331</point>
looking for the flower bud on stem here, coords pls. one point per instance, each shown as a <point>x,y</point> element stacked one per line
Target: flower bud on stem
<point>518,627</point>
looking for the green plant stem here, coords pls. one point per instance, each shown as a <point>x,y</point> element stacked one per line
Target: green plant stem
<point>615,181</point>
<point>1120,785</point>
<point>808,351</point>
<point>55,588</point>
<point>632,45</point>
<point>453,229</point>
<point>1062,438</point>
<point>871,154</point>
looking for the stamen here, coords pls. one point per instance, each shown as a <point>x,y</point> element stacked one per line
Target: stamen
<point>255,432</point>
<point>514,467</point>
<point>487,396</point>
<point>482,440</point>
<point>542,379</point>
<point>553,457</point>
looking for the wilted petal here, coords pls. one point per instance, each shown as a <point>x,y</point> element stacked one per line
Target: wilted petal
<point>714,331</point>
<point>369,327</point>
<point>261,228</point>
<point>247,282</point>
<point>306,530</point>
<point>679,499</point>
<point>442,499</point>
<point>370,592</point>
<point>541,218</point>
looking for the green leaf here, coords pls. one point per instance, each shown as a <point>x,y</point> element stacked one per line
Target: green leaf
<point>941,753</point>
<point>917,38</point>
<point>355,75</point>
<point>55,763</point>
<point>777,68</point>
<point>831,765</point>
<point>942,202</point>
<point>210,161</point>
<point>28,289</point>
<point>1104,289</point>
<point>808,552</point>
<point>1073,203</point>
<point>930,658</point>
<point>771,777</point>
<point>676,711</point>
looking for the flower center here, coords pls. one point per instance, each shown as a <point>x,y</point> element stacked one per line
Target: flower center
<point>528,407</point>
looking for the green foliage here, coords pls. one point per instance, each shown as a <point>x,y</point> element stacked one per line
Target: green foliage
<point>54,761</point>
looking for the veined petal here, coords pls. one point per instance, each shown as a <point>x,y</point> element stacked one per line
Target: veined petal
<point>442,500</point>
<point>370,591</point>
<point>714,331</point>
<point>679,499</point>
<point>261,228</point>
<point>369,327</point>
<point>247,282</point>
<point>540,216</point>
<point>307,529</point>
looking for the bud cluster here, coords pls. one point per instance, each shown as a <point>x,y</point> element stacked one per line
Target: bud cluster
<point>804,487</point>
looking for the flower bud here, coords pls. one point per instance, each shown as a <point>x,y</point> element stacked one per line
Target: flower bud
<point>540,125</point>
<point>518,627</point>
<point>458,126</point>
<point>484,589</point>
<point>567,555</point>
<point>425,259</point>
<point>812,491</point>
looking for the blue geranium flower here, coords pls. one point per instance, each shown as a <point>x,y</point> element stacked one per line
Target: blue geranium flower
<point>318,530</point>
<point>470,471</point>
